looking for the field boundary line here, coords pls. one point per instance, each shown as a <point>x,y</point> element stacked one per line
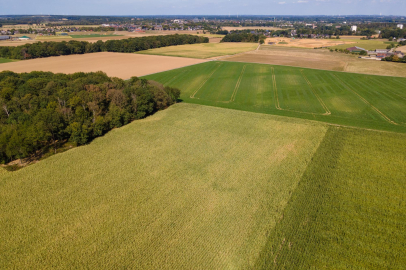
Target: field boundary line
<point>328,112</point>
<point>366,101</point>
<point>237,85</point>
<point>211,74</point>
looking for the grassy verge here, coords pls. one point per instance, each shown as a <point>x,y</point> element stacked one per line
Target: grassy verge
<point>4,60</point>
<point>349,210</point>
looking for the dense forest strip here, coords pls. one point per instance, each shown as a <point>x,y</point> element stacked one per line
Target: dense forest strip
<point>40,111</point>
<point>243,37</point>
<point>130,45</point>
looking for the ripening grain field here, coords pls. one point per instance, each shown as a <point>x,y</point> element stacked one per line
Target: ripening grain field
<point>366,101</point>
<point>191,187</point>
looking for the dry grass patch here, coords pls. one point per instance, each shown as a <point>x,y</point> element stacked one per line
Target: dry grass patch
<point>319,59</point>
<point>203,50</point>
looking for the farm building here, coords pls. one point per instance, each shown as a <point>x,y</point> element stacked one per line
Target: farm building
<point>4,37</point>
<point>24,38</point>
<point>355,49</point>
<point>400,26</point>
<point>354,28</point>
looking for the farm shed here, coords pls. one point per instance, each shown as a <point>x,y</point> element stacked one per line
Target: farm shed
<point>355,49</point>
<point>4,37</point>
<point>24,38</point>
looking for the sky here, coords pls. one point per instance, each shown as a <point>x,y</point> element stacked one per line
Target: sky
<point>204,7</point>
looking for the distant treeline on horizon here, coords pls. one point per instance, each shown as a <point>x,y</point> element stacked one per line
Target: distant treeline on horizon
<point>130,45</point>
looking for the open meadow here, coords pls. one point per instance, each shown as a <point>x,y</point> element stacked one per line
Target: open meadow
<point>191,187</point>
<point>121,65</point>
<point>366,101</point>
<point>319,59</point>
<point>203,50</point>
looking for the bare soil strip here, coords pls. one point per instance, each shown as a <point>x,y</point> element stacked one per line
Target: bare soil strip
<point>365,101</point>
<point>328,112</point>
<point>121,65</point>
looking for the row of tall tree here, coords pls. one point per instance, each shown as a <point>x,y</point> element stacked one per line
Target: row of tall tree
<point>243,37</point>
<point>40,111</point>
<point>46,49</point>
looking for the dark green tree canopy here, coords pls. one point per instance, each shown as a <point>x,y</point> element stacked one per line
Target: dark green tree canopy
<point>42,109</point>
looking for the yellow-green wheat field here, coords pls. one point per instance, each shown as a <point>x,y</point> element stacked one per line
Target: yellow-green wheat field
<point>191,187</point>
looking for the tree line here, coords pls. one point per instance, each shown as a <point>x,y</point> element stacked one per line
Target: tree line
<point>47,49</point>
<point>40,111</point>
<point>243,37</point>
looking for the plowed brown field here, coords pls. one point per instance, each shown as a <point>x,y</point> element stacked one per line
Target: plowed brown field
<point>122,65</point>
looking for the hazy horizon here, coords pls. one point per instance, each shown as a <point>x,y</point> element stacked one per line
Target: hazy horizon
<point>205,7</point>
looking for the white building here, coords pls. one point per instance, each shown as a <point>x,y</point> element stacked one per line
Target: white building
<point>354,28</point>
<point>400,26</point>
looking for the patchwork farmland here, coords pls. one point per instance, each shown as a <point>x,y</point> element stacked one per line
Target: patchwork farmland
<point>359,100</point>
<point>200,187</point>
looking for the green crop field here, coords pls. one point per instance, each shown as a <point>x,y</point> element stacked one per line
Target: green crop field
<point>203,50</point>
<point>349,210</point>
<point>359,100</point>
<point>366,44</point>
<point>191,187</point>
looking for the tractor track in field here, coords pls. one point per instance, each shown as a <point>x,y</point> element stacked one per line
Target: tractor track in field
<point>277,104</point>
<point>237,85</point>
<point>365,101</point>
<point>328,112</point>
<point>211,74</point>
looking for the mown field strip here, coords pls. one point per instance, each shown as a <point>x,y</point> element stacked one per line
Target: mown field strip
<point>237,85</point>
<point>211,74</point>
<point>349,210</point>
<point>365,101</point>
<point>315,94</point>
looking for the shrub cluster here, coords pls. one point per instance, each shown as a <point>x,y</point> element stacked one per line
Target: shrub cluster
<point>40,110</point>
<point>46,49</point>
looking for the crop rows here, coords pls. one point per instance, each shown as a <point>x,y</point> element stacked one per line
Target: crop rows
<point>340,98</point>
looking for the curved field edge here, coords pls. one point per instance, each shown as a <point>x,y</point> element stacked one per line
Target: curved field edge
<point>189,187</point>
<point>349,209</point>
